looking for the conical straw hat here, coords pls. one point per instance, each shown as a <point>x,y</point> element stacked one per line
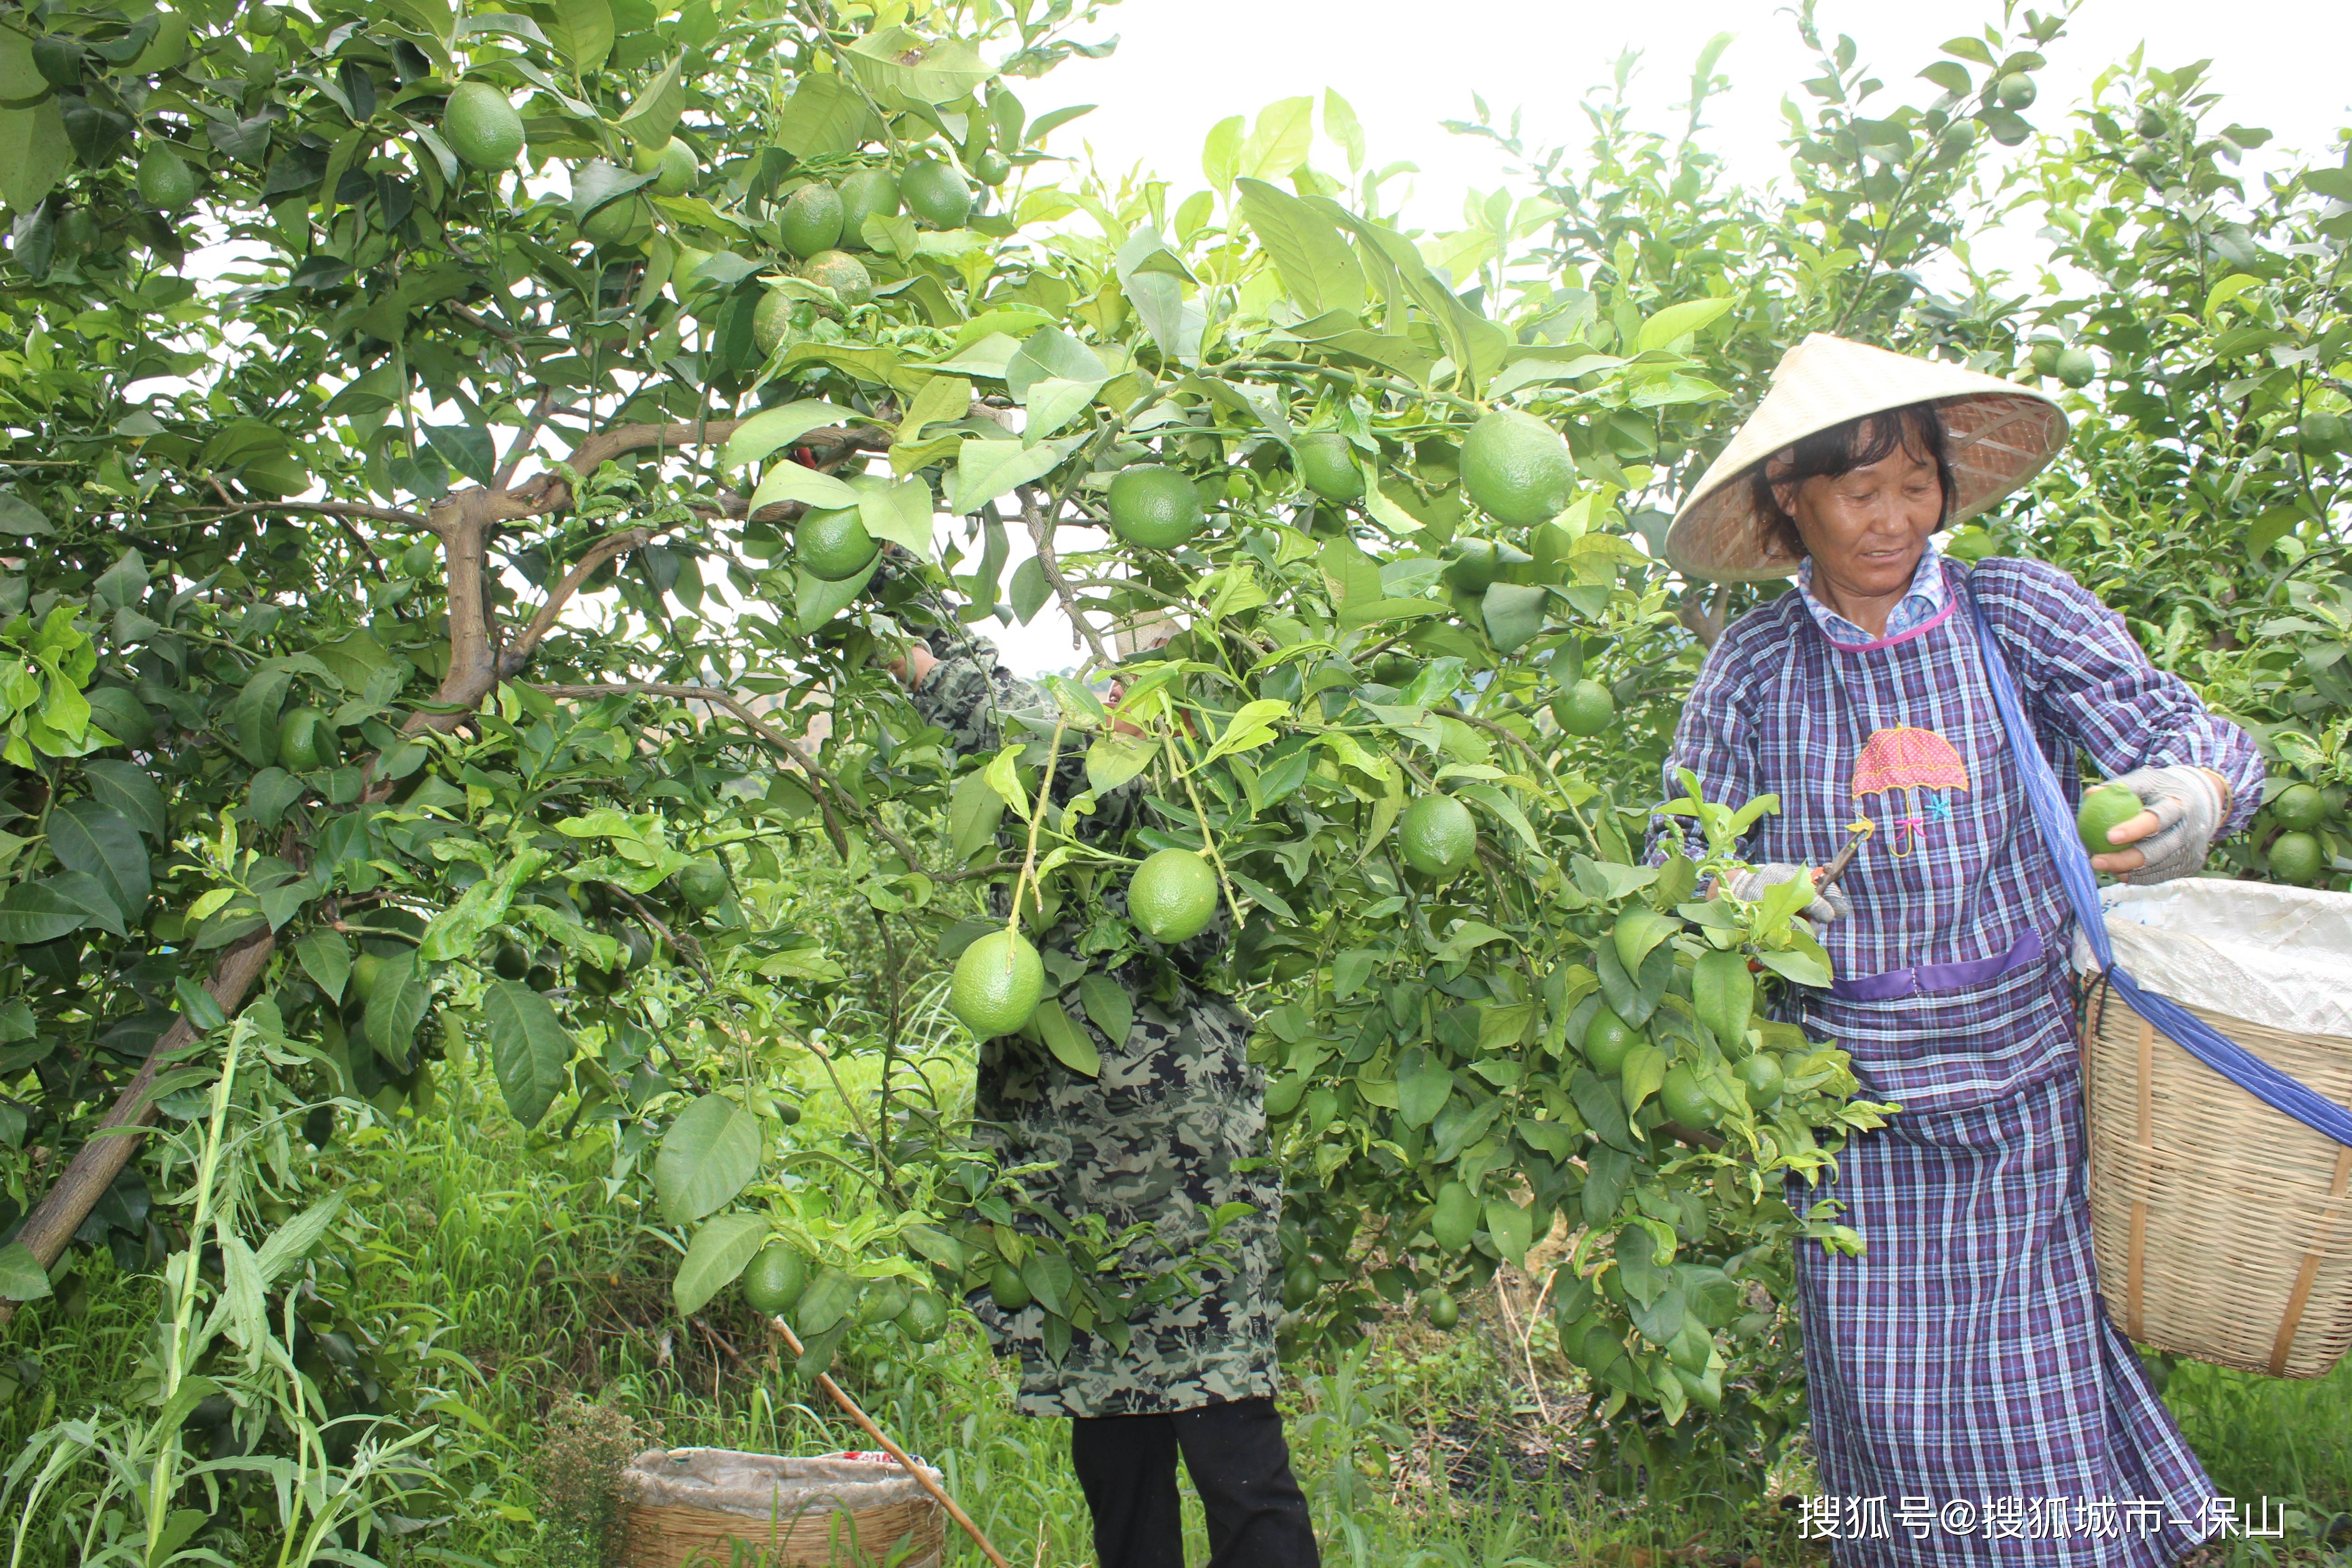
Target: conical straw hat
<point>2000,435</point>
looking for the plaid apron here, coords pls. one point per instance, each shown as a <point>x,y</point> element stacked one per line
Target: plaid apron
<point>1971,1403</point>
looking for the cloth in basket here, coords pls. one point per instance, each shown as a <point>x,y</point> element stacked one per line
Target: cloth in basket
<point>687,1506</point>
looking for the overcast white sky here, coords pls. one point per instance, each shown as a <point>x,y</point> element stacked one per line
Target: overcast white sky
<point>1183,65</point>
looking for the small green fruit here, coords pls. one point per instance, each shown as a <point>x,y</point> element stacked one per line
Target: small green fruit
<point>164,181</point>
<point>935,193</point>
<point>770,322</point>
<point>481,126</point>
<point>2109,807</point>
<point>2076,367</point>
<point>1155,506</point>
<point>1607,1041</point>
<point>833,545</point>
<point>869,193</point>
<point>2042,355</point>
<point>991,168</point>
<point>1437,837</point>
<point>2299,806</point>
<point>1300,1286</point>
<point>1173,896</point>
<point>1444,1312</point>
<point>306,743</point>
<point>1685,1102</point>
<point>365,970</point>
<point>843,274</point>
<point>672,165</point>
<point>812,220</point>
<point>2297,858</point>
<point>774,1282</point>
<point>925,1317</point>
<point>2016,93</point>
<point>619,225</point>
<point>1327,465</point>
<point>884,1300</point>
<point>1761,1078</point>
<point>1517,469</point>
<point>1004,1283</point>
<point>999,980</point>
<point>703,884</point>
<point>681,269</point>
<point>1585,709</point>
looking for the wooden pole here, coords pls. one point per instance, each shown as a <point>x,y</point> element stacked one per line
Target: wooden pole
<point>783,1331</point>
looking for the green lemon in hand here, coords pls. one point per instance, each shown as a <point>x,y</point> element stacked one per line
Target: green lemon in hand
<point>2299,806</point>
<point>1173,896</point>
<point>2103,808</point>
<point>1607,1040</point>
<point>1155,506</point>
<point>998,982</point>
<point>775,1279</point>
<point>1437,837</point>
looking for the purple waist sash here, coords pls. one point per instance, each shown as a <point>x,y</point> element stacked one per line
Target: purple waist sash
<point>1933,978</point>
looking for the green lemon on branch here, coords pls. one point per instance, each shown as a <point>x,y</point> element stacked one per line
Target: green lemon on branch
<point>482,127</point>
<point>1607,1040</point>
<point>833,545</point>
<point>998,982</point>
<point>1455,1218</point>
<point>1517,468</point>
<point>2299,806</point>
<point>869,193</point>
<point>1155,506</point>
<point>1685,1100</point>
<point>935,193</point>
<point>1005,1284</point>
<point>1437,837</point>
<point>1585,708</point>
<point>1327,465</point>
<point>1760,1078</point>
<point>1173,896</point>
<point>2297,858</point>
<point>925,1317</point>
<point>774,1281</point>
<point>1444,1312</point>
<point>843,274</point>
<point>812,220</point>
<point>164,181</point>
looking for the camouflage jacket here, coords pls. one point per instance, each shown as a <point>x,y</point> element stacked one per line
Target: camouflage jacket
<point>1155,1137</point>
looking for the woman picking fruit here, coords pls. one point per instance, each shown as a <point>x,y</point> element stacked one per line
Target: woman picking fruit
<point>1171,1127</point>
<point>1965,1354</point>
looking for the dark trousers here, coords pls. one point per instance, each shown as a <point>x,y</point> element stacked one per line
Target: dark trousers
<point>1239,1464</point>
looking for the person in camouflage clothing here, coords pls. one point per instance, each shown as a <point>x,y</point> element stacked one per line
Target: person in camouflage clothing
<point>1167,1133</point>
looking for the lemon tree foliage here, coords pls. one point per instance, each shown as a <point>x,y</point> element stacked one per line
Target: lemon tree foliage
<point>458,450</point>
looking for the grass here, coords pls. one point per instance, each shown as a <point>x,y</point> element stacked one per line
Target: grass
<point>499,1271</point>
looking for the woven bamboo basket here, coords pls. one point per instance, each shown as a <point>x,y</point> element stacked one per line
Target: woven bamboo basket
<point>2223,1228</point>
<point>805,1520</point>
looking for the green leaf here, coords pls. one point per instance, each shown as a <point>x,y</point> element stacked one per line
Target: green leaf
<point>35,151</point>
<point>1723,992</point>
<point>1801,967</point>
<point>1317,267</point>
<point>396,1005</point>
<point>1645,1070</point>
<point>825,115</point>
<point>290,1242</point>
<point>787,480</point>
<point>1106,1004</point>
<point>817,600</point>
<point>22,1278</point>
<point>900,513</point>
<point>1637,931</point>
<point>710,1153</point>
<point>1115,758</point>
<point>764,432</point>
<point>1251,727</point>
<point>103,845</point>
<point>1511,1229</point>
<point>1679,322</point>
<point>1423,1084</point>
<point>32,912</point>
<point>1464,938</point>
<point>653,115</point>
<point>1278,144</point>
<point>529,1050</point>
<point>1071,1046</point>
<point>719,1254</point>
<point>987,469</point>
<point>1514,613</point>
<point>975,808</point>
<point>580,30</point>
<point>326,958</point>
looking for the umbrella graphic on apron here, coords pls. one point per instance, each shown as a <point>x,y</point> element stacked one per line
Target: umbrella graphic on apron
<point>1899,763</point>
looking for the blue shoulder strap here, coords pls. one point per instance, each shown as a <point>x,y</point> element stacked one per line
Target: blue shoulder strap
<point>2196,1037</point>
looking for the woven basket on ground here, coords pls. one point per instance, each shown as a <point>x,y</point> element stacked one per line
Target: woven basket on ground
<point>2223,1228</point>
<point>717,1508</point>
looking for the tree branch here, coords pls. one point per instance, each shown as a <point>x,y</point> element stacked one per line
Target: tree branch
<point>1041,535</point>
<point>533,424</point>
<point>517,654</point>
<point>324,508</point>
<point>766,731</point>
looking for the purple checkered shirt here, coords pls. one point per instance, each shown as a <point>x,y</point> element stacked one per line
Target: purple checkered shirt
<point>1780,709</point>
